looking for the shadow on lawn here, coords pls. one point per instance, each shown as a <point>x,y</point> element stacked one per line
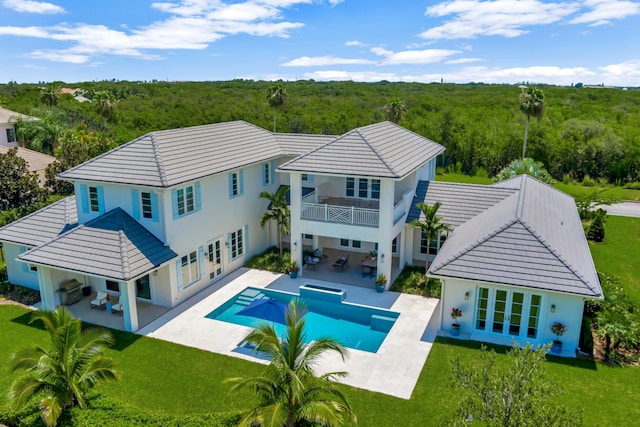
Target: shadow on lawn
<point>501,349</point>
<point>122,339</point>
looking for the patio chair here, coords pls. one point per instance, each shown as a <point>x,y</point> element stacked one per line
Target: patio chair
<point>100,300</point>
<point>116,307</point>
<point>312,262</point>
<point>318,254</point>
<point>341,263</point>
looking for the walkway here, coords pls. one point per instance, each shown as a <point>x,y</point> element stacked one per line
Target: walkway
<point>393,370</point>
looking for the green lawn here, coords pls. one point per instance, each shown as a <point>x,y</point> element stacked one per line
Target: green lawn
<point>575,190</point>
<point>165,377</point>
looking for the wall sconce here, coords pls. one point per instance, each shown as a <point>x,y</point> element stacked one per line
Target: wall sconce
<point>155,272</point>
<point>553,308</point>
<point>226,244</point>
<point>381,258</point>
<point>295,244</point>
<point>466,296</point>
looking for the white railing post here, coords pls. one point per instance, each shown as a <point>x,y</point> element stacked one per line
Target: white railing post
<point>353,210</point>
<point>326,212</point>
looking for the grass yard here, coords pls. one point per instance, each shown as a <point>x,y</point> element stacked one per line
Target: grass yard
<point>575,190</point>
<point>165,377</point>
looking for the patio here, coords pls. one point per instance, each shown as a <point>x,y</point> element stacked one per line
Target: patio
<point>146,314</point>
<point>352,273</point>
<point>393,370</point>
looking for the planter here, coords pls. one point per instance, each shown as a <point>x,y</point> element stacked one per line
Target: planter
<point>86,291</point>
<point>379,287</point>
<point>556,347</point>
<point>293,274</point>
<point>455,330</point>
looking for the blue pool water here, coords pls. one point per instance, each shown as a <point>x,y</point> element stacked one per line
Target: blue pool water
<point>348,324</point>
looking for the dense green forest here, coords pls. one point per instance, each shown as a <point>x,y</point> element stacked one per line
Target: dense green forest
<point>591,132</point>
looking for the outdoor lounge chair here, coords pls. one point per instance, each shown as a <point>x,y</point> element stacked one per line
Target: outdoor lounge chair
<point>116,307</point>
<point>341,263</point>
<point>100,300</point>
<point>312,262</point>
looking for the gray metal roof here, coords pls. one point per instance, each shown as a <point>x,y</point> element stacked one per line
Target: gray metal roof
<point>297,143</point>
<point>113,245</point>
<point>380,150</point>
<point>532,238</point>
<point>42,226</point>
<point>171,157</point>
<point>459,202</point>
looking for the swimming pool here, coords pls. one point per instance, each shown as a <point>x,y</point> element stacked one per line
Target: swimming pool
<point>354,326</point>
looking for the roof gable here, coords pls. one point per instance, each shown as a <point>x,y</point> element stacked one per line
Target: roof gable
<point>533,238</point>
<point>383,150</point>
<point>113,245</point>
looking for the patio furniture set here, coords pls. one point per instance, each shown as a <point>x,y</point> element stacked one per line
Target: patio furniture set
<point>101,300</point>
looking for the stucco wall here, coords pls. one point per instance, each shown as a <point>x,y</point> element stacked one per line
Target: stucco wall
<point>18,273</point>
<point>568,310</point>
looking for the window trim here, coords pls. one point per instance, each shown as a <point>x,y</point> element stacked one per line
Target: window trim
<point>187,201</point>
<point>191,258</point>
<point>236,244</point>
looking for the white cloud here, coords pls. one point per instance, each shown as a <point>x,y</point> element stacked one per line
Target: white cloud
<point>427,56</point>
<point>320,61</point>
<point>602,11</point>
<point>353,43</point>
<point>358,76</point>
<point>193,24</point>
<point>30,6</point>
<point>463,60</point>
<point>507,18</point>
<point>623,74</point>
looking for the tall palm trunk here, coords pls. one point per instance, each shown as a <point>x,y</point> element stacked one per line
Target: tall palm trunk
<point>526,133</point>
<point>274,119</point>
<point>426,267</point>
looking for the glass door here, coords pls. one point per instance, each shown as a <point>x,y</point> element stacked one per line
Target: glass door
<point>214,258</point>
<point>507,312</point>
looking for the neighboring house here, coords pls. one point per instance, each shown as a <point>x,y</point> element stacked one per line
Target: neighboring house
<point>37,162</point>
<point>8,126</point>
<point>162,217</point>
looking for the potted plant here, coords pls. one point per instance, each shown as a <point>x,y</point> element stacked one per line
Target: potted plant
<point>292,269</point>
<point>558,330</point>
<point>381,281</point>
<point>455,327</point>
<point>373,255</point>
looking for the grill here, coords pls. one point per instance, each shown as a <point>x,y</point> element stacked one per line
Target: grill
<point>71,291</point>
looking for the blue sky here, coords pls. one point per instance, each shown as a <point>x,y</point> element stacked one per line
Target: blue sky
<point>458,41</point>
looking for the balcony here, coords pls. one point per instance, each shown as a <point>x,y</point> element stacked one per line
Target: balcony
<point>341,211</point>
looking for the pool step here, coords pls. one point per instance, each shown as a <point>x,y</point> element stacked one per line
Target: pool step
<point>244,299</point>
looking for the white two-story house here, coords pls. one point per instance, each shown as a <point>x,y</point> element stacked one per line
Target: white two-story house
<point>164,216</point>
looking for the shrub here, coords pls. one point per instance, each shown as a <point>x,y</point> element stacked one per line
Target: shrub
<point>566,179</point>
<point>587,181</point>
<point>413,281</point>
<point>440,170</point>
<point>632,185</point>
<point>270,260</point>
<point>586,336</point>
<point>481,172</point>
<point>596,229</point>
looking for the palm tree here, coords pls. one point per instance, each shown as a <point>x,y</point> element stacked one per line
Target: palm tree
<point>531,104</point>
<point>431,225</point>
<point>105,103</point>
<point>395,111</point>
<point>49,95</point>
<point>72,363</point>
<point>289,392</point>
<point>279,212</point>
<point>277,98</point>
<point>526,166</point>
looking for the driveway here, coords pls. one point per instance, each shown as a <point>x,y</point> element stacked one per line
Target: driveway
<point>623,209</point>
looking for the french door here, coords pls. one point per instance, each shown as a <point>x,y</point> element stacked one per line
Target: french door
<point>214,258</point>
<point>507,312</point>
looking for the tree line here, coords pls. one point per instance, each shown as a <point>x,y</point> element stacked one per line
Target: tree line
<point>584,131</point>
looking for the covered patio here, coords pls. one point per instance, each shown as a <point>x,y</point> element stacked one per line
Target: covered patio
<point>352,274</point>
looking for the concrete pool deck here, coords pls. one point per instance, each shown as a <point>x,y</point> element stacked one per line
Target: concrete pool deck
<point>393,370</point>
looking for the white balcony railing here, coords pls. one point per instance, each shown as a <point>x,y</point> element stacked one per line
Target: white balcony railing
<point>398,211</point>
<point>340,214</point>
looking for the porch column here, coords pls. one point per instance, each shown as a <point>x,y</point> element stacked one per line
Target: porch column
<point>400,247</point>
<point>130,309</point>
<point>47,294</point>
<point>385,228</point>
<point>295,194</point>
<point>408,244</point>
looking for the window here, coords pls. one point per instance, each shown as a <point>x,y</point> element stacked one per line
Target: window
<point>236,183</point>
<point>143,288</point>
<point>305,177</point>
<point>344,242</point>
<point>363,188</point>
<point>11,135</point>
<point>33,268</point>
<point>147,210</point>
<point>237,244</point>
<point>351,184</point>
<point>482,306</point>
<point>113,286</point>
<point>190,270</point>
<point>534,315</point>
<point>94,199</point>
<point>394,246</point>
<point>307,236</point>
<point>434,244</point>
<point>356,243</point>
<point>375,189</point>
<point>350,243</point>
<point>186,201</point>
<point>266,174</point>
